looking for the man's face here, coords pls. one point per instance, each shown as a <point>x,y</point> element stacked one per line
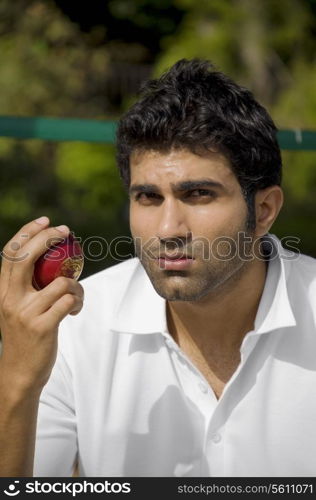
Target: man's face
<point>187,214</point>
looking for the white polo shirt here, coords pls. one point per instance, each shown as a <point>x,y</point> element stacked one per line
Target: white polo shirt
<point>124,399</point>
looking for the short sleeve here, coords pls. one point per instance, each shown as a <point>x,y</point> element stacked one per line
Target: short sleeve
<point>56,436</point>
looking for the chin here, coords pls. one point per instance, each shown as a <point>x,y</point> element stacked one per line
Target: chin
<point>176,293</point>
<point>177,285</point>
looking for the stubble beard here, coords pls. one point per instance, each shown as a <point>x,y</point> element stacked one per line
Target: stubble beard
<point>210,273</point>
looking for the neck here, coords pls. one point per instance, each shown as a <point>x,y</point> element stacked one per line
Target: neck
<point>223,317</point>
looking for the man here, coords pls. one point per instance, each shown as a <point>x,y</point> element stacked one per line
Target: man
<point>197,357</point>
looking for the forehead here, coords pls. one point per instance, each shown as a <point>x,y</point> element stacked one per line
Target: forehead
<point>164,168</point>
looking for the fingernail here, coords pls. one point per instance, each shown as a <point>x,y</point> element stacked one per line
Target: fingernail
<point>42,220</point>
<point>63,229</point>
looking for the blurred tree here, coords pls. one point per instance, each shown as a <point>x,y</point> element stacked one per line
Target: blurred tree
<point>131,31</point>
<point>47,65</point>
<point>92,198</point>
<point>254,41</point>
<point>128,22</point>
<point>51,68</point>
<point>75,60</point>
<point>296,108</point>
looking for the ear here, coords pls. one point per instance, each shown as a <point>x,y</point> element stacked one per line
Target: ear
<point>268,204</point>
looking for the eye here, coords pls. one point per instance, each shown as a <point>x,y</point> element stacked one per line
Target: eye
<point>147,197</point>
<point>200,193</point>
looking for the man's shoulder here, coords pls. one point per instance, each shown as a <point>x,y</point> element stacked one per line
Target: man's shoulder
<point>302,277</point>
<point>121,271</point>
<point>299,270</point>
<point>302,264</point>
<point>103,291</point>
<point>108,285</point>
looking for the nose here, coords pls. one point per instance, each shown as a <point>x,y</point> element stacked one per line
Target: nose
<point>173,223</point>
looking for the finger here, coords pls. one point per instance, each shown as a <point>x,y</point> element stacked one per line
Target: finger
<point>22,270</point>
<point>67,304</point>
<point>44,299</point>
<point>16,243</point>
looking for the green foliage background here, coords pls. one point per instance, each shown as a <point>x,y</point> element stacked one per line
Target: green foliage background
<point>53,66</point>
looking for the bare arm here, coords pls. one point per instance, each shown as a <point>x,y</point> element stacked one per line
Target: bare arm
<point>29,321</point>
<point>18,418</point>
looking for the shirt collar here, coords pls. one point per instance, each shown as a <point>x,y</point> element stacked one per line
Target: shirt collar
<point>275,309</point>
<point>143,311</point>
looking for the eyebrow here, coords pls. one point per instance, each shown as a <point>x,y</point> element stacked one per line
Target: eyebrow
<point>180,186</point>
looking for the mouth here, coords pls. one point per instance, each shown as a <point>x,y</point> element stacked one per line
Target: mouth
<point>175,256</point>
<point>175,261</point>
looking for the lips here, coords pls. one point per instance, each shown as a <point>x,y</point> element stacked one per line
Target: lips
<point>174,256</point>
<point>175,262</point>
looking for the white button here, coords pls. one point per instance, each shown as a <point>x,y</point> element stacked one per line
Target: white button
<point>216,438</point>
<point>203,388</point>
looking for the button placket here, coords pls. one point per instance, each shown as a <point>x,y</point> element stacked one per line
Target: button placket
<point>195,385</point>
<point>216,438</point>
<point>203,387</point>
<point>214,450</point>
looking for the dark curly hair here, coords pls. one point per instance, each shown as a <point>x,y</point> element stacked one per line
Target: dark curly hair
<point>195,107</point>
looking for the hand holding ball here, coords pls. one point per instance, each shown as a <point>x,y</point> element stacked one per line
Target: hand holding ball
<point>64,258</point>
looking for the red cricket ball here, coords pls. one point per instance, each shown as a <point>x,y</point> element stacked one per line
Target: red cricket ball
<point>64,258</point>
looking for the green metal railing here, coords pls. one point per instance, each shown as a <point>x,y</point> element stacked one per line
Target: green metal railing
<point>57,129</point>
<point>68,129</point>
